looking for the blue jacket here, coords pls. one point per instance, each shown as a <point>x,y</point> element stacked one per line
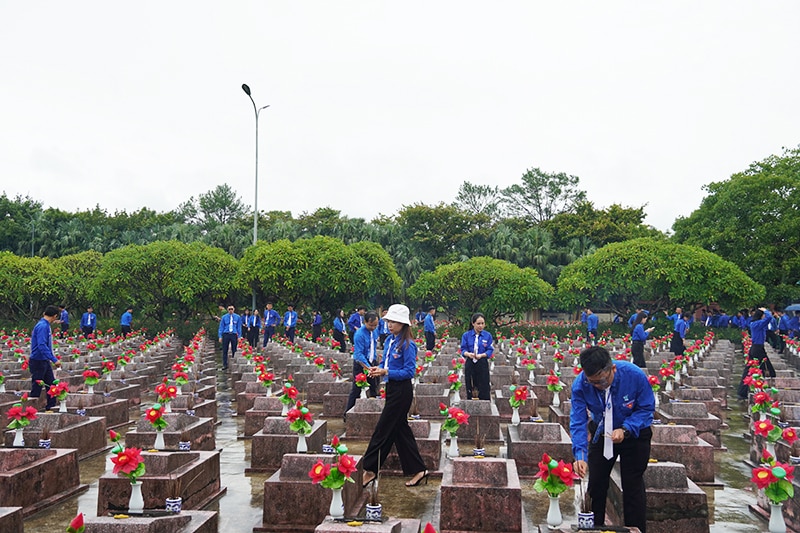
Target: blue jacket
<point>89,320</point>
<point>632,400</point>
<point>591,322</point>
<point>758,328</point>
<point>354,322</point>
<point>639,333</point>
<point>429,324</point>
<point>484,343</point>
<point>271,318</point>
<point>784,322</point>
<point>290,319</point>
<point>383,327</point>
<point>42,342</point>
<point>681,326</point>
<point>364,343</point>
<point>338,324</point>
<point>126,319</point>
<point>230,323</point>
<point>317,320</point>
<point>402,365</point>
<point>64,317</point>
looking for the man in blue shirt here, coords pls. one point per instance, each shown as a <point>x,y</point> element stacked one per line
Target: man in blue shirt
<point>290,322</point>
<point>617,392</point>
<point>230,326</point>
<point>365,355</point>
<point>42,356</point>
<point>316,326</point>
<point>355,321</point>
<point>383,328</point>
<point>430,329</point>
<point>63,318</point>
<point>88,322</point>
<point>126,321</point>
<point>253,328</point>
<point>271,320</point>
<point>591,325</point>
<point>758,334</point>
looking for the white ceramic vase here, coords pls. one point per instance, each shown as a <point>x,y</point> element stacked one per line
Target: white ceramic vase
<point>136,502</point>
<point>337,505</point>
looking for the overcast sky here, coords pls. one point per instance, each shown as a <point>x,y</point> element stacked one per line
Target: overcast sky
<point>375,104</point>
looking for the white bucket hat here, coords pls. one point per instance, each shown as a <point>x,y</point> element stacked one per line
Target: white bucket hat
<point>398,313</point>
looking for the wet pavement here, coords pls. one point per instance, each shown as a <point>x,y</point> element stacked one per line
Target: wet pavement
<point>241,507</point>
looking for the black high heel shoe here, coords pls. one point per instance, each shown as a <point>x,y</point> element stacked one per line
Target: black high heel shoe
<point>417,482</point>
<point>370,482</point>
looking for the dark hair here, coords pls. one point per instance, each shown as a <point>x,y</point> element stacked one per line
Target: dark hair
<point>475,317</point>
<point>686,315</point>
<point>369,316</point>
<point>595,359</point>
<point>339,313</point>
<point>50,310</point>
<point>641,316</point>
<point>404,337</point>
<point>62,306</point>
<point>758,314</point>
<point>360,307</point>
<point>431,308</point>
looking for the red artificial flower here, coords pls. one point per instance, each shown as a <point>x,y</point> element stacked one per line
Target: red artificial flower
<point>90,374</point>
<point>552,379</point>
<point>361,378</point>
<point>442,407</point>
<point>76,526</point>
<point>113,435</point>
<point>459,415</point>
<point>335,441</point>
<point>761,398</point>
<point>293,414</point>
<point>789,435</point>
<point>153,414</point>
<point>564,471</point>
<point>762,477</point>
<point>521,394</point>
<point>161,388</point>
<point>763,427</point>
<point>429,528</point>
<point>653,380</point>
<point>347,465</point>
<point>452,377</point>
<point>291,392</point>
<point>319,472</point>
<point>15,413</point>
<point>127,460</point>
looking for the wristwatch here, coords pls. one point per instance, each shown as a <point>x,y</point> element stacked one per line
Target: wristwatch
<point>626,434</point>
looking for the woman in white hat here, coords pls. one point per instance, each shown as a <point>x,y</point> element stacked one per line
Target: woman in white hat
<point>397,369</point>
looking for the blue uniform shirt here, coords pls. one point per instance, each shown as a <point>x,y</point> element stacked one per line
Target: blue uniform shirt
<point>402,364</point>
<point>271,318</point>
<point>591,322</point>
<point>758,328</point>
<point>365,345</point>
<point>639,333</point>
<point>632,400</point>
<point>484,343</point>
<point>127,319</point>
<point>230,323</point>
<point>317,320</point>
<point>680,328</point>
<point>88,320</point>
<point>429,325</point>
<point>64,317</point>
<point>290,319</point>
<point>42,342</point>
<point>338,324</point>
<point>354,322</point>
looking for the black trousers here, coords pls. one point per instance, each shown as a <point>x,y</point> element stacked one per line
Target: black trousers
<point>228,340</point>
<point>637,350</point>
<point>634,454</point>
<point>591,334</point>
<point>339,336</point>
<point>87,330</point>
<point>41,371</point>
<point>392,429</point>
<point>355,392</point>
<point>764,364</point>
<point>126,330</point>
<point>430,340</point>
<point>772,339</point>
<point>252,337</point>
<point>269,331</point>
<point>290,334</point>
<point>476,376</point>
<point>676,344</point>
<point>782,333</point>
<point>64,330</point>
<point>316,332</point>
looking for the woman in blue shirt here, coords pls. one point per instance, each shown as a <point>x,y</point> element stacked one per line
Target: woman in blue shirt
<point>476,347</point>
<point>339,330</point>
<point>398,368</point>
<point>638,337</point>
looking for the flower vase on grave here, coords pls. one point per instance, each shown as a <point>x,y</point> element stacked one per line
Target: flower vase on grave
<point>91,389</point>
<point>19,440</point>
<point>776,521</point>
<point>771,448</point>
<point>337,505</point>
<point>684,369</point>
<point>555,366</point>
<point>554,513</point>
<point>491,366</point>
<point>269,391</point>
<point>455,398</point>
<point>2,387</point>
<point>108,376</point>
<point>531,377</point>
<point>668,387</point>
<point>302,446</point>
<point>677,377</point>
<point>364,392</point>
<point>136,501</point>
<point>178,391</point>
<point>657,400</point>
<point>453,451</point>
<point>62,406</point>
<point>167,408</point>
<point>285,410</point>
<point>556,399</point>
<point>159,444</point>
<point>515,416</point>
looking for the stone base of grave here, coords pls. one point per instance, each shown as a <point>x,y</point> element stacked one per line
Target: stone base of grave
<point>119,390</point>
<point>11,519</point>
<point>87,434</point>
<point>335,400</point>
<point>483,417</point>
<point>363,417</point>
<point>528,441</point>
<point>114,410</point>
<point>679,444</point>
<point>480,495</point>
<point>200,432</point>
<point>203,407</point>
<point>674,502</point>
<point>276,439</point>
<point>428,396</point>
<point>391,525</point>
<point>263,406</point>
<point>693,414</point>
<point>505,410</point>
<point>318,386</point>
<point>428,439</point>
<point>713,405</point>
<point>197,472</point>
<point>35,478</point>
<point>567,528</point>
<point>185,522</point>
<point>291,484</point>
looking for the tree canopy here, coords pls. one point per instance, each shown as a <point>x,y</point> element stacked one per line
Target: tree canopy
<point>494,287</point>
<point>753,220</point>
<point>542,195</point>
<point>655,274</point>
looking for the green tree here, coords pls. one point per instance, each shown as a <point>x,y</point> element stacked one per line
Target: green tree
<point>166,277</point>
<point>494,287</point>
<point>753,220</point>
<point>479,199</point>
<point>542,195</point>
<point>600,226</point>
<point>26,285</point>
<point>75,275</point>
<point>221,205</point>
<point>656,274</point>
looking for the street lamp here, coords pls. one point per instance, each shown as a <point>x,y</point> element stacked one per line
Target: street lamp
<point>257,111</point>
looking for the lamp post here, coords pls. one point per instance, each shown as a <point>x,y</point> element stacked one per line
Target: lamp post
<point>257,111</point>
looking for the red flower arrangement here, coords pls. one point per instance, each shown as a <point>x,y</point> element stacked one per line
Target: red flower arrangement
<point>289,394</point>
<point>91,377</point>
<point>452,378</point>
<point>455,418</point>
<point>774,478</point>
<point>334,476</point>
<point>553,476</point>
<point>554,382</point>
<point>58,390</point>
<point>129,463</point>
<point>361,381</point>
<point>20,416</point>
<point>655,383</point>
<point>155,415</point>
<point>518,396</point>
<point>300,419</point>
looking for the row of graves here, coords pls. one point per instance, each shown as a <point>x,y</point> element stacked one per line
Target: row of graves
<point>527,420</point>
<point>162,466</point>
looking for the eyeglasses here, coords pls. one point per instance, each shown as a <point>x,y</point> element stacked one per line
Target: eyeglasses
<point>603,381</point>
<point>230,309</point>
